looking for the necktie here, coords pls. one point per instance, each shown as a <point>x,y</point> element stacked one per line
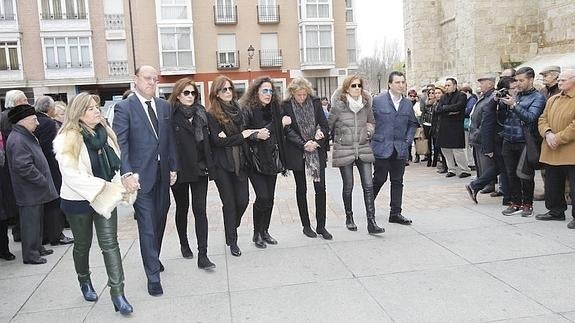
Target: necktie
<point>153,117</point>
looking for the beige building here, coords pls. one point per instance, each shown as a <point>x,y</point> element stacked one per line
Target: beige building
<point>468,38</point>
<point>61,47</point>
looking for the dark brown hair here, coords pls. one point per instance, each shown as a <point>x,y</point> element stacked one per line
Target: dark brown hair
<point>179,88</point>
<point>215,108</point>
<point>347,84</point>
<point>251,98</point>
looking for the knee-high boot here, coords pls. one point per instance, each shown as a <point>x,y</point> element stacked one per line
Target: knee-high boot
<point>368,198</point>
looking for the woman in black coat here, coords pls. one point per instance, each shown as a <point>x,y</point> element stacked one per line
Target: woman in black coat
<point>262,112</point>
<point>306,151</point>
<point>229,150</point>
<point>190,123</point>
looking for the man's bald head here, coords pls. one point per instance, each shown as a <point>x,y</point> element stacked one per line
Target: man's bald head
<point>567,79</point>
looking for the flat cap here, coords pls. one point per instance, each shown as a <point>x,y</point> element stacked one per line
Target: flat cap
<point>552,68</point>
<point>485,77</point>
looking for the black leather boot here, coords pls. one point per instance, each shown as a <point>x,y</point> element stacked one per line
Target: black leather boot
<point>259,241</point>
<point>204,262</point>
<point>121,304</point>
<point>373,228</point>
<point>349,222</point>
<point>368,198</point>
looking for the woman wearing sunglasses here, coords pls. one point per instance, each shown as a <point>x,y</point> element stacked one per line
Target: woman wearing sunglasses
<point>228,138</point>
<point>262,112</point>
<point>190,123</point>
<point>306,151</point>
<point>352,123</point>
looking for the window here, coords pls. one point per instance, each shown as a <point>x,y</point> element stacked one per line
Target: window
<point>318,44</point>
<point>174,9</point>
<point>67,52</point>
<point>9,56</point>
<point>227,51</point>
<point>270,55</point>
<point>176,44</point>
<point>268,11</point>
<point>64,9</point>
<point>7,10</point>
<point>351,51</point>
<point>348,11</point>
<point>225,12</point>
<point>316,9</point>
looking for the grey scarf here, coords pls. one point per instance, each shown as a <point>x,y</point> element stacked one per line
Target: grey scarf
<point>305,119</point>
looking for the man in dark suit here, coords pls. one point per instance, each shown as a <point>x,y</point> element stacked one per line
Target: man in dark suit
<point>395,125</point>
<point>143,124</point>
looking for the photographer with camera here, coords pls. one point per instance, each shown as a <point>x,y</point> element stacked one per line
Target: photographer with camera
<point>524,111</point>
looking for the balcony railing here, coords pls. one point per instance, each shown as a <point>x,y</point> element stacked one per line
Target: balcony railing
<point>225,15</point>
<point>271,58</point>
<point>61,16</point>
<point>114,22</point>
<point>9,67</point>
<point>228,64</point>
<point>68,65</point>
<point>118,68</point>
<point>268,14</point>
<point>7,17</point>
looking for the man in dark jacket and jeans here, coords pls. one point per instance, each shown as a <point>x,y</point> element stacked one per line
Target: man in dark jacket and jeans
<point>31,181</point>
<point>395,125</point>
<point>524,112</point>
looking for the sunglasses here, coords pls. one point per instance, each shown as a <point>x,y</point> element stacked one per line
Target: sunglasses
<point>226,89</point>
<point>355,85</point>
<point>267,91</point>
<point>186,93</point>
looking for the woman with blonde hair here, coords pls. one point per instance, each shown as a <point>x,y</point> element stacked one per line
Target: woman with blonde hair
<point>229,150</point>
<point>352,123</point>
<point>88,155</point>
<point>306,151</point>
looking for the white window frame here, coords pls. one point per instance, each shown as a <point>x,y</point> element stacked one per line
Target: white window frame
<point>317,3</point>
<point>64,14</point>
<point>349,31</point>
<point>268,8</point>
<point>177,51</point>
<point>161,4</point>
<point>349,11</point>
<point>305,47</point>
<point>224,14</point>
<point>3,12</point>
<point>68,57</point>
<point>228,53</point>
<point>6,45</point>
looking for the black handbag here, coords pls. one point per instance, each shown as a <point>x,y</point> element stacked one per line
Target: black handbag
<point>532,146</point>
<point>266,166</point>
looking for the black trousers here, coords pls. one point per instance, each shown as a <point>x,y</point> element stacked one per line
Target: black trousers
<point>31,218</point>
<point>235,197</point>
<point>10,207</point>
<point>53,221</point>
<point>365,174</point>
<point>394,168</point>
<point>427,133</point>
<point>555,177</point>
<point>264,186</point>
<point>320,196</point>
<point>4,248</point>
<point>181,193</point>
<point>520,190</point>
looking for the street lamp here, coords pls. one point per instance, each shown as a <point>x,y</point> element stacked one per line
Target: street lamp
<point>379,82</point>
<point>251,51</point>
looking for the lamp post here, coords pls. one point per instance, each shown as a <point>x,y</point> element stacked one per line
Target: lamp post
<point>378,82</point>
<point>251,52</point>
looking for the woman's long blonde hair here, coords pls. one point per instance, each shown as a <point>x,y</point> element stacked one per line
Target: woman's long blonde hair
<point>76,109</point>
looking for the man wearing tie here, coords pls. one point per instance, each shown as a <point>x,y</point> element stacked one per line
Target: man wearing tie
<point>143,124</point>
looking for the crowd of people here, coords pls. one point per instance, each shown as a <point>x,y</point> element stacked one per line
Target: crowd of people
<point>74,162</point>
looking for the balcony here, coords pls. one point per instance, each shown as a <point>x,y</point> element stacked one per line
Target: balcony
<point>118,68</point>
<point>7,17</point>
<point>228,60</point>
<point>268,15</point>
<point>68,65</point>
<point>114,22</point>
<point>69,70</point>
<point>270,58</point>
<point>10,72</point>
<point>62,16</point>
<point>225,15</point>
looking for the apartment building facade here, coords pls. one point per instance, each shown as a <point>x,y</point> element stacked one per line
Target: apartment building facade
<point>62,47</point>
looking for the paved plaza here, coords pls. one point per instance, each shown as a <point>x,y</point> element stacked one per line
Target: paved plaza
<point>458,262</point>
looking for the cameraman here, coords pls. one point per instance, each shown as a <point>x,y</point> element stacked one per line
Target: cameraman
<point>524,110</point>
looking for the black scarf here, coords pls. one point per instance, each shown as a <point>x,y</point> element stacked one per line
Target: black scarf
<point>196,114</point>
<point>234,127</point>
<point>108,161</point>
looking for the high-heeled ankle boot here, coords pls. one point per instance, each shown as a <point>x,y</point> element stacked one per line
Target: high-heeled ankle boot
<point>88,291</point>
<point>204,262</point>
<point>259,241</point>
<point>121,304</point>
<point>373,228</point>
<point>349,222</point>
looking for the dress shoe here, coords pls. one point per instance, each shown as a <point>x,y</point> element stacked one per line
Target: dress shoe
<point>550,217</point>
<point>463,175</point>
<point>350,225</point>
<point>204,262</point>
<point>268,239</point>
<point>63,241</point>
<point>308,231</point>
<point>472,194</point>
<point>398,218</point>
<point>162,267</point>
<point>45,252</point>
<point>235,250</point>
<point>121,304</point>
<point>571,225</point>
<point>259,241</point>
<point>39,261</point>
<point>187,252</point>
<point>88,291</point>
<point>155,289</point>
<point>487,189</point>
<point>373,228</point>
<point>450,174</point>
<point>539,197</point>
<point>7,256</point>
<point>324,233</point>
<point>442,171</point>
<point>496,194</point>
